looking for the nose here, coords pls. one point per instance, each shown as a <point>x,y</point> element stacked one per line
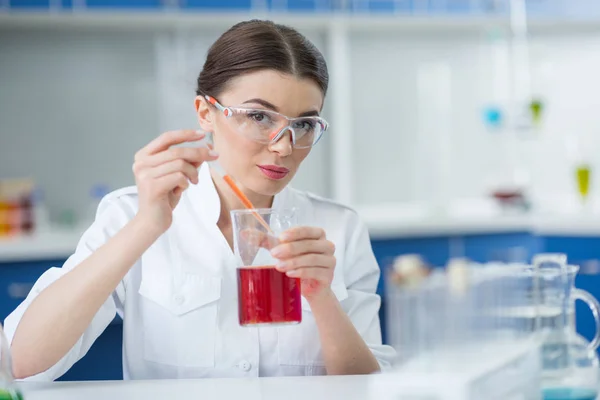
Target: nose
<point>283,146</point>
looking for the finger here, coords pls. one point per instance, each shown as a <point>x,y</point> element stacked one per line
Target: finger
<point>169,139</point>
<point>293,249</point>
<point>306,260</point>
<point>302,232</point>
<point>269,242</point>
<point>193,155</point>
<point>168,183</point>
<point>258,238</point>
<point>175,166</point>
<point>178,191</point>
<point>318,274</point>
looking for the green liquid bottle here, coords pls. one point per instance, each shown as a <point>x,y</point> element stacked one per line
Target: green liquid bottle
<point>10,395</point>
<point>583,180</point>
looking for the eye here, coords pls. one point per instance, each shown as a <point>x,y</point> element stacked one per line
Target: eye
<point>258,116</point>
<point>306,124</point>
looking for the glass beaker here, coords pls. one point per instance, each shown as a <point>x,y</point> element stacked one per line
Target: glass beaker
<point>569,362</point>
<point>265,295</point>
<point>8,389</point>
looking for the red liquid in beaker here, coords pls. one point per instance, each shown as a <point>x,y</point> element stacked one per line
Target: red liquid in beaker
<point>267,296</point>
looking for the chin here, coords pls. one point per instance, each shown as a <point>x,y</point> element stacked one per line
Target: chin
<point>268,187</point>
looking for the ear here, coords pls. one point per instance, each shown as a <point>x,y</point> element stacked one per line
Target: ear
<point>204,114</point>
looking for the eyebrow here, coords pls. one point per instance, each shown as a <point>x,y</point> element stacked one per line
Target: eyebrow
<point>271,106</point>
<point>313,113</point>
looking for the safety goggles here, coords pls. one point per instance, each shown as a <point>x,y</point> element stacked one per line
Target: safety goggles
<point>266,126</point>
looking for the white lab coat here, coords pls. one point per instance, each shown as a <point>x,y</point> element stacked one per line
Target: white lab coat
<point>179,301</point>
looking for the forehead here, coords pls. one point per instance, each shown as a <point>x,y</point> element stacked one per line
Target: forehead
<point>291,95</point>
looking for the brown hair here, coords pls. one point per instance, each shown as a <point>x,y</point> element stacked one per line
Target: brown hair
<point>255,45</point>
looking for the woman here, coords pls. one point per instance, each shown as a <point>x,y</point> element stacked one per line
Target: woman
<point>159,254</point>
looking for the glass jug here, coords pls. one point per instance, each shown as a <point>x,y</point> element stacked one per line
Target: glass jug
<point>8,390</point>
<point>569,362</point>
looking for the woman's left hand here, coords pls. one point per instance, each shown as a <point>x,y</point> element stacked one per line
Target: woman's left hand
<point>304,252</point>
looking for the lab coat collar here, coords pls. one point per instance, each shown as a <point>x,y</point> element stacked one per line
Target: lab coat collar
<point>204,197</point>
<point>206,203</point>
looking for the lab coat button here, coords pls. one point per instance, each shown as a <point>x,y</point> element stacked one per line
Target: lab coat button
<point>245,366</point>
<point>179,299</point>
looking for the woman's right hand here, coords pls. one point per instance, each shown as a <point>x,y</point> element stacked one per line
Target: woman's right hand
<point>163,173</point>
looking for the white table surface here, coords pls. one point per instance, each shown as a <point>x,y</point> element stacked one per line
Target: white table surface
<point>282,388</point>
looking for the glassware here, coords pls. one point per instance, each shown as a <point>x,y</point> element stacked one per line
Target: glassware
<point>451,343</point>
<point>569,362</point>
<point>583,172</point>
<point>265,295</point>
<point>267,126</point>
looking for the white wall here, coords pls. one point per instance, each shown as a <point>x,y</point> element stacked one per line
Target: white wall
<point>73,109</point>
<point>398,136</point>
<point>75,106</point>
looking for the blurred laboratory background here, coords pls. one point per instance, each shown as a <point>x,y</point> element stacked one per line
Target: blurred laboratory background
<point>459,128</point>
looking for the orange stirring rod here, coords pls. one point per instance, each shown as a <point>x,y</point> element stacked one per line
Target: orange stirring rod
<point>240,195</point>
<point>246,202</point>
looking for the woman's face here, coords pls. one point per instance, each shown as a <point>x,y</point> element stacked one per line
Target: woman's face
<point>258,167</point>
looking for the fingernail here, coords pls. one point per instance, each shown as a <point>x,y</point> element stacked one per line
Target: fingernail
<point>213,153</point>
<point>276,252</point>
<point>293,274</point>
<point>281,265</point>
<point>200,133</point>
<point>284,237</point>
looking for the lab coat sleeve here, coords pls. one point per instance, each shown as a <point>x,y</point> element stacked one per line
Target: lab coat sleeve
<point>363,303</point>
<point>111,217</point>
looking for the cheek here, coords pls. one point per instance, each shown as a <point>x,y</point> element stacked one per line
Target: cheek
<point>234,146</point>
<point>299,156</point>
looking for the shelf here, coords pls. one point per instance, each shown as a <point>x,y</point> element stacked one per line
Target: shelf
<point>377,22</point>
<point>151,20</point>
<point>383,223</point>
<point>391,222</point>
<point>51,245</point>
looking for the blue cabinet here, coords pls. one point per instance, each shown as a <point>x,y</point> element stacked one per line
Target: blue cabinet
<point>92,4</point>
<point>103,361</point>
<point>16,280</point>
<point>516,246</point>
<point>233,5</point>
<point>24,4</point>
<point>114,4</point>
<point>303,5</point>
<point>579,249</point>
<point>381,6</point>
<point>124,4</point>
<point>506,247</point>
<point>434,250</point>
<point>535,8</point>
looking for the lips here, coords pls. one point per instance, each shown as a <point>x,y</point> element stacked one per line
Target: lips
<point>274,171</point>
